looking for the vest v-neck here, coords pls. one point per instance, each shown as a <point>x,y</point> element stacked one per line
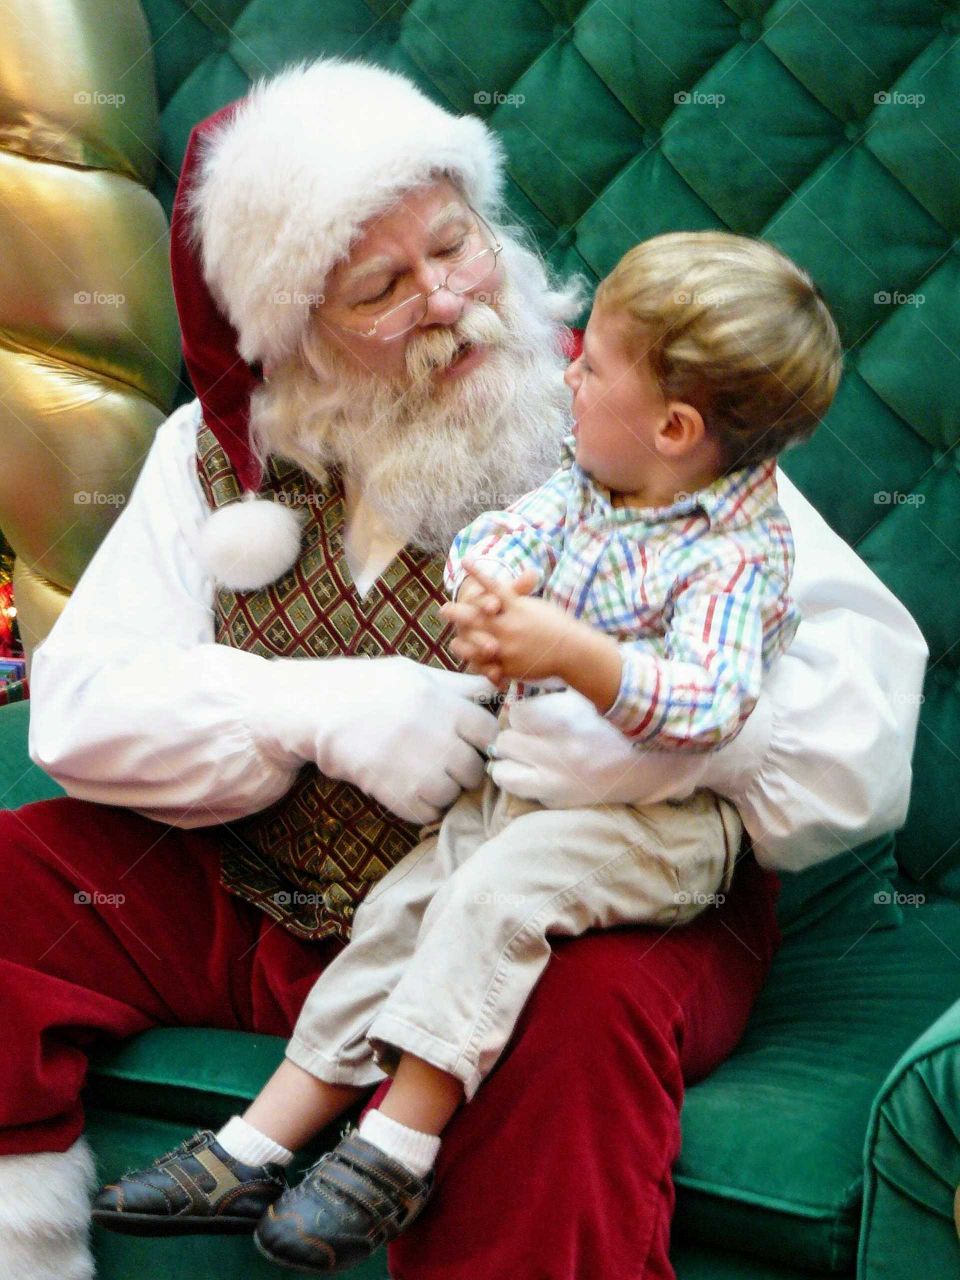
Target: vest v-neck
<point>369,548</point>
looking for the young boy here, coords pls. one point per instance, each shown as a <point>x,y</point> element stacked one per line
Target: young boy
<point>650,573</point>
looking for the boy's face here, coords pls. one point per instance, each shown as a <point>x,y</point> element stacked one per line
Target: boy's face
<point>617,407</point>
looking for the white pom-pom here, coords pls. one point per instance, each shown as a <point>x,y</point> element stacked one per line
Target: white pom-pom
<point>247,545</point>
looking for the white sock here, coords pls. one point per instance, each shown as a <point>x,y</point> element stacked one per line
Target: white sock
<point>416,1150</point>
<point>244,1142</point>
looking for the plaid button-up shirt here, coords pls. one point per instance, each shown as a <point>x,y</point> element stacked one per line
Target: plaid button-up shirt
<point>696,592</point>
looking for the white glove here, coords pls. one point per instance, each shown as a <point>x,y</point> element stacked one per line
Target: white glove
<point>560,751</point>
<point>409,735</point>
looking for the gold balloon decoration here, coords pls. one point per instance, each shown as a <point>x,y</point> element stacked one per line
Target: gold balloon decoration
<point>89,353</point>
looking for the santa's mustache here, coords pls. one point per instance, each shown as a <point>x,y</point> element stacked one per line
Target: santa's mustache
<point>432,351</point>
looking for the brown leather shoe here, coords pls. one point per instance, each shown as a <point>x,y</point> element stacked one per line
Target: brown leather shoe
<point>353,1200</point>
<point>197,1189</point>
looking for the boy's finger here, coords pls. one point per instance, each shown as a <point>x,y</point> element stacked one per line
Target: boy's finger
<point>462,616</point>
<point>501,591</point>
<point>525,583</point>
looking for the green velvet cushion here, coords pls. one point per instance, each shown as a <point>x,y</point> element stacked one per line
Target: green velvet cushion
<point>913,1161</point>
<point>857,888</point>
<point>772,1160</point>
<point>21,782</point>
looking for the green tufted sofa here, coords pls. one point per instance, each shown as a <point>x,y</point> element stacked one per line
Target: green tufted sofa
<point>830,1141</point>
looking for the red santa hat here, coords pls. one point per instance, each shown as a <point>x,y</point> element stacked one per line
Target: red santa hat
<point>274,190</point>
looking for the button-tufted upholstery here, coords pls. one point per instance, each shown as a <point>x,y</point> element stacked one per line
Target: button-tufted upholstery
<point>831,128</point>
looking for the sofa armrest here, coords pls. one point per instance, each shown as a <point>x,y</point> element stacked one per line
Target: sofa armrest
<point>912,1162</point>
<point>21,782</point>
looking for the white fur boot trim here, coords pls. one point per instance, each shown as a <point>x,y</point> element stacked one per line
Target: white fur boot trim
<point>248,544</point>
<point>45,1214</point>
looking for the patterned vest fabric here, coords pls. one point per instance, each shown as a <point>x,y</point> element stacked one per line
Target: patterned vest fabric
<point>309,858</point>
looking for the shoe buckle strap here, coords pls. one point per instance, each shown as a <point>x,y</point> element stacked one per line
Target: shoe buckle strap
<point>224,1181</point>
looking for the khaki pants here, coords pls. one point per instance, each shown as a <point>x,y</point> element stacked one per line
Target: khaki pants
<point>448,946</point>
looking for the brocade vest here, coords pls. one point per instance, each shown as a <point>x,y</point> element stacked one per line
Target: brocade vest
<point>309,858</point>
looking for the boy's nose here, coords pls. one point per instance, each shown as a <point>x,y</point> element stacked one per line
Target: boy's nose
<point>571,376</point>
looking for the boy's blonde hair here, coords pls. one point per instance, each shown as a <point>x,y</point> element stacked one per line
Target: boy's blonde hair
<point>732,326</point>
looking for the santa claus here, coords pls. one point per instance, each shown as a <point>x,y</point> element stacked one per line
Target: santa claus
<point>252,683</point>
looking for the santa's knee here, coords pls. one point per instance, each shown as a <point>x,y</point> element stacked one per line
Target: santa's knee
<point>596,1000</point>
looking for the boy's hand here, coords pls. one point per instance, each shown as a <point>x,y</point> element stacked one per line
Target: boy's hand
<point>503,633</point>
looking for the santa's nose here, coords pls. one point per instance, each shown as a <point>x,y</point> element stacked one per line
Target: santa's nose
<point>443,307</point>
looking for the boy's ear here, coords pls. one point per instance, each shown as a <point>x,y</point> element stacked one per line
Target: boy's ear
<point>681,431</point>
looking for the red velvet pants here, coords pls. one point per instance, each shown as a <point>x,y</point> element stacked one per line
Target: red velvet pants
<point>560,1167</point>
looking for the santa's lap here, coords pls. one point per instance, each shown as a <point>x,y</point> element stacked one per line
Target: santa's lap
<point>111,924</point>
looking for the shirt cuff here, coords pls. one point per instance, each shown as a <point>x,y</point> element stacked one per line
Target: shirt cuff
<point>632,710</point>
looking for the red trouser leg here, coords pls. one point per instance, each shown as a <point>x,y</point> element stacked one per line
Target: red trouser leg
<point>155,941</point>
<point>560,1168</point>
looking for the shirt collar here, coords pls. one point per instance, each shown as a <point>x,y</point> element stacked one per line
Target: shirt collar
<point>730,502</point>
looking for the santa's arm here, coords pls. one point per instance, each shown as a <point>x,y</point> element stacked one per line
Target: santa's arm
<point>132,702</point>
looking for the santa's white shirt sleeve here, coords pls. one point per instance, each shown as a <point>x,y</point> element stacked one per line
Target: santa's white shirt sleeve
<point>134,704</point>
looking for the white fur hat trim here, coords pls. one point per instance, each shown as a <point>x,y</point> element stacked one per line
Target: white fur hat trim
<point>246,545</point>
<point>309,157</point>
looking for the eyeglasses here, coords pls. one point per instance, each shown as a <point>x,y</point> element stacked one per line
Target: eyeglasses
<point>463,277</point>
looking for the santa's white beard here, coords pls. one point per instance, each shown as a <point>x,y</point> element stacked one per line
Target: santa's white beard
<point>430,453</point>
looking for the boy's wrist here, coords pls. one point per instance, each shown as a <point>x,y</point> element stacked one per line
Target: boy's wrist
<point>592,665</point>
